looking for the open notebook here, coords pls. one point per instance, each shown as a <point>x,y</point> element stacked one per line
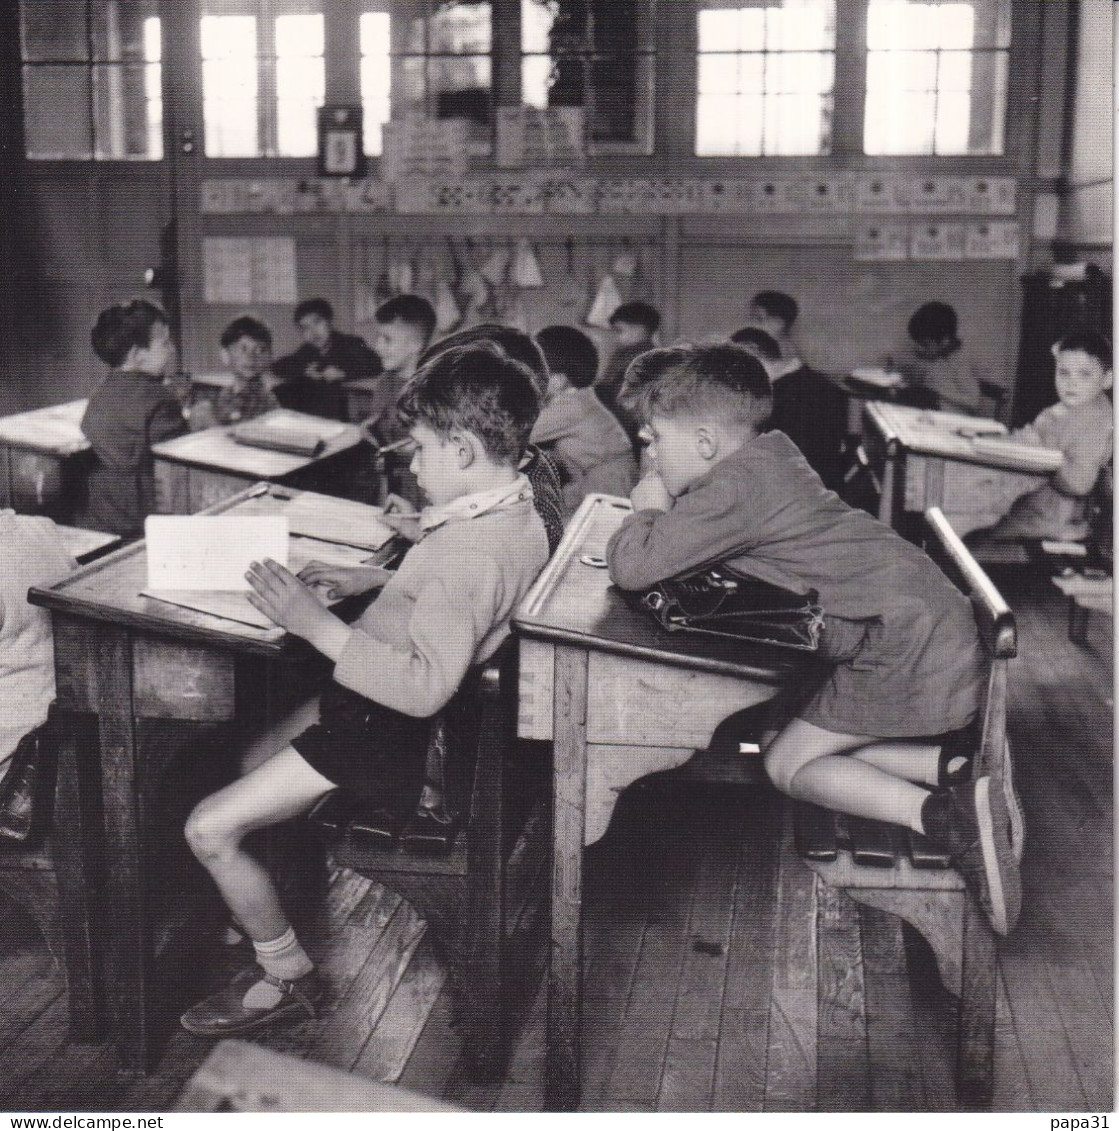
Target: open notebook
<point>199,561</point>
<point>282,430</point>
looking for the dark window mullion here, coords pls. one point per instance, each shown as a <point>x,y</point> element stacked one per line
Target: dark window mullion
<point>91,110</point>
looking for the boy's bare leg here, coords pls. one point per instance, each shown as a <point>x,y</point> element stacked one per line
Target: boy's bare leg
<point>280,788</point>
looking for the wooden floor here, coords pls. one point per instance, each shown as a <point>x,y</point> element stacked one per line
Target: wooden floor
<point>701,941</point>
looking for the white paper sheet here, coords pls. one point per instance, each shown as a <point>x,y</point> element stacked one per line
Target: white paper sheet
<point>210,552</point>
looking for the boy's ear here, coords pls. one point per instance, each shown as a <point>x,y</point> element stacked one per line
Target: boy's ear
<point>225,360</point>
<point>466,449</point>
<point>1107,378</point>
<point>706,441</point>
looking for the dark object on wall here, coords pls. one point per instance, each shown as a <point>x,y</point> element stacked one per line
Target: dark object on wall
<point>341,152</point>
<point>1051,307</point>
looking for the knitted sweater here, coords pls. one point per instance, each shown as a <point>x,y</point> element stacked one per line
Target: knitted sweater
<point>448,606</point>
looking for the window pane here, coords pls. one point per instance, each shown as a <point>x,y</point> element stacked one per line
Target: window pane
<point>119,29</point>
<point>375,78</point>
<point>462,29</point>
<point>300,87</point>
<point>537,17</point>
<point>460,87</point>
<point>54,31</point>
<point>126,123</point>
<point>299,36</point>
<point>536,80</point>
<point>786,52</point>
<point>56,112</point>
<point>952,95</point>
<point>230,86</point>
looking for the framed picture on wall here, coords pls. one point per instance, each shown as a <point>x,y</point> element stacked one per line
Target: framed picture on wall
<point>340,145</point>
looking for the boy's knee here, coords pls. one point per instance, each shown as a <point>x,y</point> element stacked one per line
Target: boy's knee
<point>205,832</point>
<point>782,764</point>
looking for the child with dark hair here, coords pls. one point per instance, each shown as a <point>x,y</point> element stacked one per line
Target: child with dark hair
<point>634,325</point>
<point>807,407</point>
<point>129,410</point>
<point>904,671</point>
<point>592,449</point>
<point>1081,426</point>
<point>246,349</point>
<point>446,609</point>
<point>327,357</point>
<point>937,362</point>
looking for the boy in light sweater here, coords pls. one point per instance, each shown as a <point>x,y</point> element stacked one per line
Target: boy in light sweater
<point>446,609</point>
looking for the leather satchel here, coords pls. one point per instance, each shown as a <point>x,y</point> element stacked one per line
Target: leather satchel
<point>21,786</point>
<point>719,600</point>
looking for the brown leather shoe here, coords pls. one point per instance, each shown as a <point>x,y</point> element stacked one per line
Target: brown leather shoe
<point>224,1014</point>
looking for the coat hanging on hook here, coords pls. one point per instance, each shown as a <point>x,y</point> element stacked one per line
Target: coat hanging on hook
<point>525,271</point>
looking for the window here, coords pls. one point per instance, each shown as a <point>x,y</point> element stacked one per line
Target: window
<point>766,70</point>
<point>92,79</point>
<point>440,62</point>
<point>936,77</point>
<point>263,77</point>
<point>597,54</point>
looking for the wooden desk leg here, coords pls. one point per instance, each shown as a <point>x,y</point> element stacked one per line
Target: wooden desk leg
<point>76,836</point>
<point>565,968</point>
<point>128,952</point>
<point>934,482</point>
<point>891,499</point>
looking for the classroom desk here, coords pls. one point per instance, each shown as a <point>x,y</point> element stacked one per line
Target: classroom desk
<point>130,672</point>
<point>197,470</point>
<point>919,455</point>
<point>619,698</point>
<point>44,456</point>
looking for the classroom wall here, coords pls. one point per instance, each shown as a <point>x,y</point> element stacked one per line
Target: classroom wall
<point>88,230</point>
<point>1088,207</point>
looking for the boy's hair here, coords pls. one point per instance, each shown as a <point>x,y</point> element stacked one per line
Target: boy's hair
<point>569,351</point>
<point>1086,341</point>
<point>751,336</point>
<point>516,343</point>
<point>637,314</point>
<point>120,327</point>
<point>933,322</point>
<point>317,306</point>
<point>778,305</point>
<point>725,382</point>
<point>246,327</point>
<point>415,310</point>
<point>480,389</point>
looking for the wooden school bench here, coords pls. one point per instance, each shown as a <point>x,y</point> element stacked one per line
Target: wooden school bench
<point>44,458</point>
<point>197,470</point>
<point>896,870</point>
<point>916,454</point>
<point>619,698</point>
<point>130,671</point>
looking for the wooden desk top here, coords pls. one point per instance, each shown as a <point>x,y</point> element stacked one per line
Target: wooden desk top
<point>55,430</point>
<point>575,603</point>
<point>109,589</point>
<point>928,433</point>
<point>214,449</point>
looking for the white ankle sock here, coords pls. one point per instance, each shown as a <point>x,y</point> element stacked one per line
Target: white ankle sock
<point>282,957</point>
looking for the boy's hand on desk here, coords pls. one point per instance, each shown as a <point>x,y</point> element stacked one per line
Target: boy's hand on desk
<point>650,494</point>
<point>283,598</point>
<point>344,581</point>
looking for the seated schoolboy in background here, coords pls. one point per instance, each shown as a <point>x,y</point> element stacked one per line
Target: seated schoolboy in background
<point>776,312</point>
<point>1081,426</point>
<point>590,446</point>
<point>903,653</point>
<point>807,407</point>
<point>446,609</point>
<point>246,350</point>
<point>312,374</point>
<point>129,410</point>
<point>32,552</point>
<point>937,362</point>
<point>634,324</point>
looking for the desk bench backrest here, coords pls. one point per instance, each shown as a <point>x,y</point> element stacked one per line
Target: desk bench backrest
<point>997,630</point>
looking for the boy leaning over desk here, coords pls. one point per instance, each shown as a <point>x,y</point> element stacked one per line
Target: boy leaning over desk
<point>446,609</point>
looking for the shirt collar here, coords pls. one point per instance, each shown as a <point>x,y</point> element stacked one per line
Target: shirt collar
<point>789,365</point>
<point>477,504</point>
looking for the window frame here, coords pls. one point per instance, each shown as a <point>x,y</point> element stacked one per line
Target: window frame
<point>90,66</point>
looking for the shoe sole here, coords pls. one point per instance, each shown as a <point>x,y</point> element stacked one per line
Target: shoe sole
<point>1004,884</point>
<point>280,1013</point>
